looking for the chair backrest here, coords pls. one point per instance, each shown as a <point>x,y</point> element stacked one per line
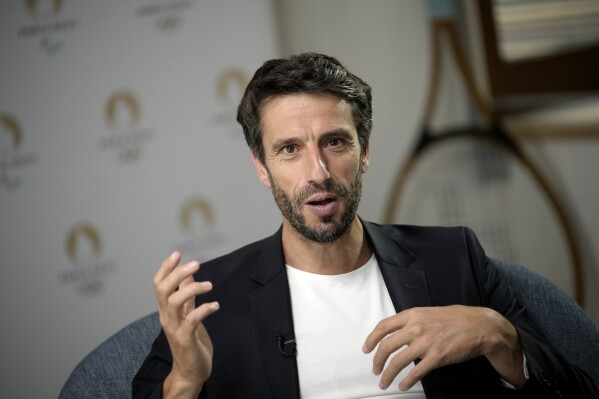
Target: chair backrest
<point>558,317</point>
<point>108,370</point>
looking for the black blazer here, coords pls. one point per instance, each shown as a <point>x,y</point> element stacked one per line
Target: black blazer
<point>421,266</point>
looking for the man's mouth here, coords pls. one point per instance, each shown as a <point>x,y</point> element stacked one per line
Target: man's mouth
<point>323,201</point>
<point>322,205</point>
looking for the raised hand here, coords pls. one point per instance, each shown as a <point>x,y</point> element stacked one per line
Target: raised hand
<point>181,321</point>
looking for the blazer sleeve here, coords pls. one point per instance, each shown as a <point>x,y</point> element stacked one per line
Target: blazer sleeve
<point>147,383</point>
<point>550,375</point>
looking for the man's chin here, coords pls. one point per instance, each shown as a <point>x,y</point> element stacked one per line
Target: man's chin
<point>324,221</point>
<point>322,232</point>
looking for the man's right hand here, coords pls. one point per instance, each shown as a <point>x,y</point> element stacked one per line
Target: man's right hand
<point>181,321</point>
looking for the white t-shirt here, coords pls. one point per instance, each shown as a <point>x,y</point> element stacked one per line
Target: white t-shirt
<point>332,316</point>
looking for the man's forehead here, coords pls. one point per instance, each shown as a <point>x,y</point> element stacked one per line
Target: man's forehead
<point>303,110</point>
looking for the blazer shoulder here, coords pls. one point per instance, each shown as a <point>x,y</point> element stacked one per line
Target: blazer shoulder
<point>245,252</point>
<point>243,261</point>
<point>428,245</point>
<point>409,234</point>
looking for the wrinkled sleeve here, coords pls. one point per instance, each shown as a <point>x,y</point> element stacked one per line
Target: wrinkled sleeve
<point>147,383</point>
<point>550,375</point>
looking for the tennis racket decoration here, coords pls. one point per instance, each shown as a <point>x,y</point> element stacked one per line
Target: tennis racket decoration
<point>479,176</point>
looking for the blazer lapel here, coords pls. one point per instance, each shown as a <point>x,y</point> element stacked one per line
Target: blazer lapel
<point>273,321</point>
<point>407,286</point>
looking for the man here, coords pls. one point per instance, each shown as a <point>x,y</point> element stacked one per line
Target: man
<point>332,306</point>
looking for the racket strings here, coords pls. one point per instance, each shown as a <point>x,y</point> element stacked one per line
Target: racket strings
<point>477,183</point>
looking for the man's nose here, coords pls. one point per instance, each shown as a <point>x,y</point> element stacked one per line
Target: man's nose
<point>318,168</point>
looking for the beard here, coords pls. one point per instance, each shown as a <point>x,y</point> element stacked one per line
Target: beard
<point>327,230</point>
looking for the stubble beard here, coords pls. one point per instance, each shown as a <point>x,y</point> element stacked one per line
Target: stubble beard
<point>327,230</point>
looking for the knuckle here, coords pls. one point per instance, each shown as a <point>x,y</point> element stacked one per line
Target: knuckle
<point>416,374</point>
<point>199,288</point>
<point>164,264</point>
<point>411,312</point>
<point>157,279</point>
<point>396,363</point>
<point>385,346</point>
<point>197,316</point>
<point>205,308</point>
<point>161,291</point>
<point>172,301</point>
<point>417,314</point>
<point>382,325</point>
<point>442,355</point>
<point>416,329</point>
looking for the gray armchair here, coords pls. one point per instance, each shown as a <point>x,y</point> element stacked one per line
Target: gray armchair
<point>108,370</point>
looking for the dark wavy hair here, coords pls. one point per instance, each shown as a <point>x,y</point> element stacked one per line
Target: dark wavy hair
<point>303,73</point>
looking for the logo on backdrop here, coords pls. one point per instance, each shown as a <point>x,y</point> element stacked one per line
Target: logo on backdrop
<point>165,15</point>
<point>48,27</point>
<point>39,8</point>
<point>198,225</point>
<point>13,160</point>
<point>229,88</point>
<point>88,271</point>
<point>126,137</point>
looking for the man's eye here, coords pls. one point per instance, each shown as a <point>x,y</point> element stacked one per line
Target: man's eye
<point>335,142</point>
<point>289,149</point>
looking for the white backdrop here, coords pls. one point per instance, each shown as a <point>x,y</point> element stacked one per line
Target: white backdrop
<point>118,144</point>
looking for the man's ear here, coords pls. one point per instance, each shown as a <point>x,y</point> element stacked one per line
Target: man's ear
<point>365,162</point>
<point>261,171</point>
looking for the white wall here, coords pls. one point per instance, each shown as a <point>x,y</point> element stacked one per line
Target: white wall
<point>92,199</point>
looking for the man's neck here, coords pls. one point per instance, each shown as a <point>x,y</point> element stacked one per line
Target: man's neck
<point>344,255</point>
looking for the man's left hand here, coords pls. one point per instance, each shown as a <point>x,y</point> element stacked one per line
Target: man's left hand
<point>440,336</point>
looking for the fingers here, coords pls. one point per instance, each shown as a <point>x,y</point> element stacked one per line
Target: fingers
<point>182,302</point>
<point>382,329</point>
<point>176,305</point>
<point>386,348</point>
<point>189,305</point>
<point>403,359</point>
<point>169,277</point>
<point>395,345</point>
<point>396,364</point>
<point>416,374</point>
<point>437,335</point>
<point>189,341</point>
<point>167,266</point>
<point>197,316</point>
<point>170,301</point>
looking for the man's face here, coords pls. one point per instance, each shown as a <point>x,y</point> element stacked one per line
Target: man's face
<point>313,163</point>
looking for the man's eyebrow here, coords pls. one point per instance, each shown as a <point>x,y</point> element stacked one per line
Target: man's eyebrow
<point>341,132</point>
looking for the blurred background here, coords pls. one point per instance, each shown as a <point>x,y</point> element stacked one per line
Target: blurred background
<point>118,140</point>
